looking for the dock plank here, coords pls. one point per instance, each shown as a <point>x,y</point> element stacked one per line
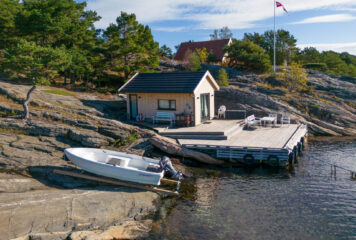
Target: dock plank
<point>262,137</point>
<point>212,126</point>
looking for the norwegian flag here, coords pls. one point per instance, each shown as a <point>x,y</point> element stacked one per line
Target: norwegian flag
<point>278,4</point>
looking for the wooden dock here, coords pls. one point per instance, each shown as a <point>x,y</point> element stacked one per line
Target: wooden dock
<point>273,145</point>
<point>211,130</point>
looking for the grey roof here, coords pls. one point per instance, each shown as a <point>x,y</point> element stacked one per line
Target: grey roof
<point>170,82</point>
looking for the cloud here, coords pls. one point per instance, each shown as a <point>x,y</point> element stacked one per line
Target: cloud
<point>349,47</point>
<point>205,14</point>
<point>169,29</point>
<point>345,9</point>
<point>328,18</point>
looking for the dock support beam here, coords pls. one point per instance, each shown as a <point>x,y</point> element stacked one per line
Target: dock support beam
<point>291,160</point>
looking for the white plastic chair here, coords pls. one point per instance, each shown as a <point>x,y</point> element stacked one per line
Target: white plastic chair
<point>221,111</point>
<point>285,119</point>
<point>274,115</point>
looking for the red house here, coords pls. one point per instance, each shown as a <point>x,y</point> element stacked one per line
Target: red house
<point>214,46</point>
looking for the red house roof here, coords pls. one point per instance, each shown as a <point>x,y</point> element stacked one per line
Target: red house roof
<point>216,46</point>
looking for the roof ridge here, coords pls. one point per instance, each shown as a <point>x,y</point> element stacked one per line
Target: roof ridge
<point>164,82</point>
<point>224,39</point>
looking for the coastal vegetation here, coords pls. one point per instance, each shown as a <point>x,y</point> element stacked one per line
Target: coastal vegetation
<point>56,42</point>
<point>52,41</point>
<point>310,58</point>
<point>247,55</point>
<point>223,79</point>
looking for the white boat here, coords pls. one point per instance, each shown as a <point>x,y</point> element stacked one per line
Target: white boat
<point>122,166</point>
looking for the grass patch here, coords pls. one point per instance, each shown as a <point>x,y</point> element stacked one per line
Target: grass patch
<point>264,85</point>
<point>13,131</point>
<point>128,139</point>
<point>12,113</point>
<point>351,105</point>
<point>337,98</point>
<point>58,92</point>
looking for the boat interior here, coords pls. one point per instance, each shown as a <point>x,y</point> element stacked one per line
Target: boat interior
<point>119,159</point>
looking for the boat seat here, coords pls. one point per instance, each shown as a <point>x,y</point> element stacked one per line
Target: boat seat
<point>117,161</point>
<point>153,168</point>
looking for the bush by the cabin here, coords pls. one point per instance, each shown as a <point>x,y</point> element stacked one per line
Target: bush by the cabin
<point>223,79</point>
<point>194,62</point>
<point>202,54</point>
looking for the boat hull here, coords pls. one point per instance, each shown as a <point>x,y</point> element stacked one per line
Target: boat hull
<point>125,174</point>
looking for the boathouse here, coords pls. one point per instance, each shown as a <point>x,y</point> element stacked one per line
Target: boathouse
<point>174,93</point>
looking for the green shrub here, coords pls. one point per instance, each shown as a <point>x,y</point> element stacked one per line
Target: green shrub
<point>351,105</point>
<point>223,79</point>
<point>246,55</point>
<point>194,62</point>
<point>315,106</point>
<point>295,77</point>
<point>212,57</point>
<point>316,66</point>
<point>128,139</point>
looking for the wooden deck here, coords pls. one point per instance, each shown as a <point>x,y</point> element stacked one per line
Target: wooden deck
<point>211,130</point>
<point>210,127</point>
<point>261,137</point>
<point>276,146</point>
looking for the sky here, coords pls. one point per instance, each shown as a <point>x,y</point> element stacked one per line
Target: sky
<point>324,24</point>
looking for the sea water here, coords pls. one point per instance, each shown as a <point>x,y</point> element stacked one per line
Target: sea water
<point>309,202</point>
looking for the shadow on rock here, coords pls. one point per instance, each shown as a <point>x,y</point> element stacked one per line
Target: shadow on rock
<point>46,176</point>
<point>110,109</point>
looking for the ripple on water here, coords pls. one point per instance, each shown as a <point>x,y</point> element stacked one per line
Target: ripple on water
<point>267,204</point>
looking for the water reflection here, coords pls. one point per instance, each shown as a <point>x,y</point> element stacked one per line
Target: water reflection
<point>307,203</point>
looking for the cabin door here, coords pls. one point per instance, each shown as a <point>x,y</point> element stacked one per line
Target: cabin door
<point>205,107</point>
<point>133,106</point>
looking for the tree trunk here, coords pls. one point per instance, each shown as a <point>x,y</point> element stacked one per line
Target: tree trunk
<point>175,149</point>
<point>72,79</point>
<point>65,80</point>
<point>25,103</point>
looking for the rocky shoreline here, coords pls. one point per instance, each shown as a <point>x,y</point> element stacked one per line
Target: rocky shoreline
<point>329,110</point>
<point>35,203</point>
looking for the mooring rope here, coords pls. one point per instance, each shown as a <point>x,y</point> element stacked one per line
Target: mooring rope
<point>353,173</point>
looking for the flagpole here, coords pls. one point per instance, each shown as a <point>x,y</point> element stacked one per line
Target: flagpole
<point>274,37</point>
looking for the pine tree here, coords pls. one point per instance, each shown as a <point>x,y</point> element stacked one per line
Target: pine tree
<point>246,55</point>
<point>130,46</point>
<point>37,63</point>
<point>8,12</point>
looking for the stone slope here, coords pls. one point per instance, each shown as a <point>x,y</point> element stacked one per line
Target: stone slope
<point>35,203</point>
<point>328,110</point>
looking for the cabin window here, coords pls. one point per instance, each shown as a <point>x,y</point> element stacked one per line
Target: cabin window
<point>164,104</point>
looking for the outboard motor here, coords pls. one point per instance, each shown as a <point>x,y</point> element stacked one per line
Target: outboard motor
<point>166,165</point>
